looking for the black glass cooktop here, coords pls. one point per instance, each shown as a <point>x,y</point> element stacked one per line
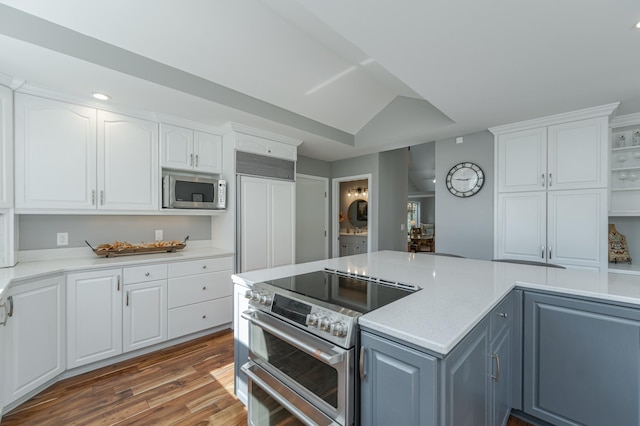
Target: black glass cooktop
<point>358,294</point>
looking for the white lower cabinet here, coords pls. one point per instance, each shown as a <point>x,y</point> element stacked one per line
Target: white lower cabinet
<point>94,316</point>
<point>144,321</point>
<point>563,227</point>
<point>34,349</point>
<point>199,296</point>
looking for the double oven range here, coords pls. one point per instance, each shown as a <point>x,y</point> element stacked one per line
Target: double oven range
<point>303,345</point>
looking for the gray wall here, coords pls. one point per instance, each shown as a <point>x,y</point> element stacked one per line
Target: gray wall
<point>427,209</point>
<point>313,167</point>
<point>366,164</point>
<point>37,232</point>
<point>464,226</point>
<point>392,212</point>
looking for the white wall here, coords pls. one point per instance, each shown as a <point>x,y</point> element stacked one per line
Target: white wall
<point>464,226</point>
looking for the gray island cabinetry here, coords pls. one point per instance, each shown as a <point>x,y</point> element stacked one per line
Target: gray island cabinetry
<point>470,385</point>
<point>581,361</point>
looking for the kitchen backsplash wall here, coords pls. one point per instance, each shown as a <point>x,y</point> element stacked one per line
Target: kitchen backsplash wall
<point>37,232</point>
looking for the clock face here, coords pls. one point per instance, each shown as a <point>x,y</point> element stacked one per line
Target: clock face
<point>465,179</point>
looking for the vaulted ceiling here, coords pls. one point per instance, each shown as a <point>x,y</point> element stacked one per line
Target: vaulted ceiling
<point>346,77</point>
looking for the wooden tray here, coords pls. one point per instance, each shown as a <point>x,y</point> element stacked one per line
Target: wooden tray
<point>138,249</point>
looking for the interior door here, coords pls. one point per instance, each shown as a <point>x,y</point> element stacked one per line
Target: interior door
<point>311,218</point>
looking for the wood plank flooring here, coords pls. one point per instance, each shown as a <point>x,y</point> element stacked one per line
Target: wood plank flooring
<point>190,384</point>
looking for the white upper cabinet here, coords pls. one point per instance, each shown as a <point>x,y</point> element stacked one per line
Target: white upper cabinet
<point>563,156</point>
<point>70,157</point>
<point>578,154</point>
<point>268,147</point>
<point>6,147</point>
<point>128,173</point>
<point>55,154</point>
<point>522,160</point>
<point>190,150</point>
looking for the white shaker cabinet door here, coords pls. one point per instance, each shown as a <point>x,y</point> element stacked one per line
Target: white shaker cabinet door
<point>34,336</point>
<point>522,160</point>
<point>94,316</point>
<point>55,154</point>
<point>283,223</point>
<point>207,150</point>
<point>521,226</point>
<point>176,146</point>
<point>576,235</point>
<point>145,314</point>
<point>128,172</point>
<point>578,154</point>
<point>254,224</point>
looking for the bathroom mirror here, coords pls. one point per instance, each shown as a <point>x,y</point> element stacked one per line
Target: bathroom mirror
<point>358,213</point>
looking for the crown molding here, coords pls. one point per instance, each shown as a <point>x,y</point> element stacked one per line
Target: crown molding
<point>241,128</point>
<point>583,114</point>
<point>625,120</point>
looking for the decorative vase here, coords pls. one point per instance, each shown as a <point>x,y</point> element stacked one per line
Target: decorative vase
<point>618,249</point>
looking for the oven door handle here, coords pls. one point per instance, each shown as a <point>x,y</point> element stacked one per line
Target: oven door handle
<point>327,358</point>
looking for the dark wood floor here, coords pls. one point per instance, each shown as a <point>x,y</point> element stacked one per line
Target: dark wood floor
<point>189,384</point>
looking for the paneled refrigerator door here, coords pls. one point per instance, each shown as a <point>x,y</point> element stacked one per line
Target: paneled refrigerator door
<point>8,238</point>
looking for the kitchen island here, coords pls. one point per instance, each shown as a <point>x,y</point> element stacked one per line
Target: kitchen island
<point>453,308</point>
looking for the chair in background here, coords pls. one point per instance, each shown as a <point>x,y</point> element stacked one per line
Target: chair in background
<point>529,262</point>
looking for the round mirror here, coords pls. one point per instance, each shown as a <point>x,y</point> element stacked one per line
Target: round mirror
<point>358,213</point>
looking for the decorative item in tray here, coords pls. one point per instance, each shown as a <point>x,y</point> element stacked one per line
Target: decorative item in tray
<point>123,248</point>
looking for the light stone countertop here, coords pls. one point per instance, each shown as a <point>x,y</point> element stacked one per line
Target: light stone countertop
<point>38,268</point>
<point>456,293</point>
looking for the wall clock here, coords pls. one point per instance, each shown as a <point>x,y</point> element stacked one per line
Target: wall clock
<point>465,179</point>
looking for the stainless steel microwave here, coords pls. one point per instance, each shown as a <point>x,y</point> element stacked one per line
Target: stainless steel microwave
<point>182,191</point>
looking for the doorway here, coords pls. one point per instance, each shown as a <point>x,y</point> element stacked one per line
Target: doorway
<point>350,212</point>
<point>312,218</point>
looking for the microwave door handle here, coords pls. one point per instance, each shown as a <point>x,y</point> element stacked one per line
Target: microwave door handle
<point>327,358</point>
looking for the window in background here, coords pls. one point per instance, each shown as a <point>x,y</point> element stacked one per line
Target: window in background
<point>413,215</point>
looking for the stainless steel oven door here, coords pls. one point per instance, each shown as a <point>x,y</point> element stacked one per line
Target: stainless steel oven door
<point>315,369</point>
<point>272,403</point>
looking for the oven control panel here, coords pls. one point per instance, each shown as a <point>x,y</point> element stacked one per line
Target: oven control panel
<point>333,326</point>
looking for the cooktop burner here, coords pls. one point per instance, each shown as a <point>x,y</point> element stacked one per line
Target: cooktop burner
<point>358,293</point>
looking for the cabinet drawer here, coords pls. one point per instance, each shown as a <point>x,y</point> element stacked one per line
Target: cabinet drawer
<point>199,316</point>
<point>141,274</point>
<point>501,316</point>
<point>200,266</point>
<point>199,288</point>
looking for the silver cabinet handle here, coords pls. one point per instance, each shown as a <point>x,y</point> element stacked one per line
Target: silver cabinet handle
<point>503,315</point>
<point>196,160</point>
<point>549,252</point>
<point>127,298</point>
<point>542,252</point>
<point>101,197</point>
<point>191,159</point>
<point>550,182</point>
<point>543,180</point>
<point>10,312</point>
<point>93,197</point>
<point>497,375</point>
<point>327,358</point>
<point>118,282</point>
<point>363,352</point>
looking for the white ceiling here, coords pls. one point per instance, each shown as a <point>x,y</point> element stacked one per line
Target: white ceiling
<point>348,78</point>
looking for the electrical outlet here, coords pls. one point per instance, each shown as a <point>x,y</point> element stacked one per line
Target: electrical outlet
<point>63,238</point>
<point>159,234</point>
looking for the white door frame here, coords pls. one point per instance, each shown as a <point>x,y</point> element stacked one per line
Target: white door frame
<point>335,212</point>
<point>326,207</point>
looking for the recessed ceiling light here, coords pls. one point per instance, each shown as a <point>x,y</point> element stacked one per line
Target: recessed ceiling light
<point>637,25</point>
<point>101,96</point>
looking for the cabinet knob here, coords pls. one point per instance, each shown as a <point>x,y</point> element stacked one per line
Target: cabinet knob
<point>204,266</point>
<point>147,274</point>
<point>204,317</point>
<point>503,315</point>
<point>204,287</point>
